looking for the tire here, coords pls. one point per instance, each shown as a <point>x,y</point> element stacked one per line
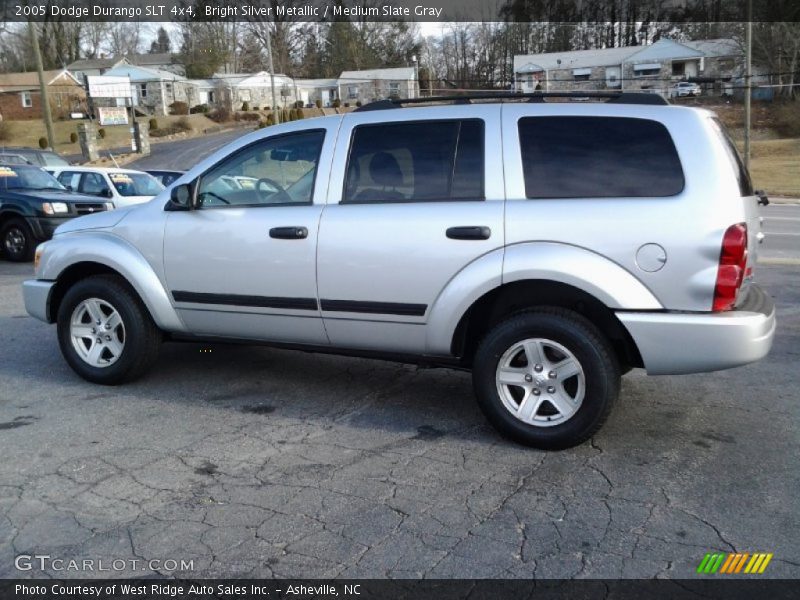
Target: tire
<point>17,241</point>
<point>122,351</point>
<point>572,389</point>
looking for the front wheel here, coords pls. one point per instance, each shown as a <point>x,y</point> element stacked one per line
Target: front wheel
<point>17,240</point>
<point>546,378</point>
<point>105,332</point>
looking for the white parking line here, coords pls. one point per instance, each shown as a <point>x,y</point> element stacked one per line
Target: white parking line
<point>781,218</point>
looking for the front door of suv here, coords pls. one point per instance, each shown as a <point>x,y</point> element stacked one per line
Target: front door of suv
<point>416,196</point>
<point>242,264</point>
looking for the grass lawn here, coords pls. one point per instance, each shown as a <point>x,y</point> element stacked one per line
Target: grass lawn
<point>27,133</point>
<point>775,166</point>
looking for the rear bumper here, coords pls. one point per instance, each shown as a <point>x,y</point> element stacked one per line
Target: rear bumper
<point>677,343</point>
<point>36,294</point>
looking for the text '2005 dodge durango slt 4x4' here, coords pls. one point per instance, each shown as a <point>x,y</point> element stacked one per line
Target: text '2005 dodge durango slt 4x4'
<point>547,246</point>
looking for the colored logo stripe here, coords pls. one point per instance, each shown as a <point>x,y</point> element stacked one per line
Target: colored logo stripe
<point>734,562</point>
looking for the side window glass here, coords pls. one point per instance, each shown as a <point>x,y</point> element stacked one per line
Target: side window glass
<point>94,184</point>
<point>276,171</point>
<point>430,161</point>
<point>69,179</point>
<point>598,157</point>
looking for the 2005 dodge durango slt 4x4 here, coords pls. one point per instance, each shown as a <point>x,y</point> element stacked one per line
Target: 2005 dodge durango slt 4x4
<point>547,246</point>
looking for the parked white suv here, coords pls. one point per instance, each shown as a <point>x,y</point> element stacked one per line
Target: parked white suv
<point>547,247</point>
<point>123,187</point>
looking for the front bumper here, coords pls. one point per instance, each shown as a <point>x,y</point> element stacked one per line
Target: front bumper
<point>36,293</point>
<point>677,343</point>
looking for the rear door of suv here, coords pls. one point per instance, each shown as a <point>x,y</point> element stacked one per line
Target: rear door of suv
<point>416,195</point>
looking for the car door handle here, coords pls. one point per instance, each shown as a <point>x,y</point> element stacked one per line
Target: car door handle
<point>288,233</point>
<point>469,233</point>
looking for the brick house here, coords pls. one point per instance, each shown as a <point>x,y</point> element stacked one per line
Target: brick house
<point>20,95</point>
<point>99,66</point>
<point>377,84</point>
<point>655,67</point>
<point>153,90</point>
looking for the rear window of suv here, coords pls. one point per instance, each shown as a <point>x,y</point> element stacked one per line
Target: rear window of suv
<point>598,157</point>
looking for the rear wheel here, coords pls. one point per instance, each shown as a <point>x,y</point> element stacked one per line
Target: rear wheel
<point>17,240</point>
<point>546,378</point>
<point>105,332</point>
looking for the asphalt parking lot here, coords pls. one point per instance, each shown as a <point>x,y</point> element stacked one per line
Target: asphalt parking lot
<point>257,462</point>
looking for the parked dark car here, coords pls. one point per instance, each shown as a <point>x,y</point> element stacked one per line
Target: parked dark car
<point>40,158</point>
<point>32,205</point>
<point>13,159</point>
<point>165,177</point>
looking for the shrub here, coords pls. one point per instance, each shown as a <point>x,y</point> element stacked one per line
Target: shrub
<point>301,114</point>
<point>298,104</point>
<point>285,116</point>
<point>43,143</point>
<point>336,103</point>
<point>220,115</point>
<point>153,124</point>
<point>255,108</point>
<point>358,103</point>
<point>293,114</point>
<point>179,108</point>
<point>101,133</point>
<point>347,105</point>
<point>318,102</point>
<point>198,109</point>
<point>5,131</point>
<point>73,137</point>
<point>182,124</point>
<point>270,119</point>
<point>245,105</point>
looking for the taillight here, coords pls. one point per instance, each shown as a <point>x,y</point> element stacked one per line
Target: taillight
<point>732,262</point>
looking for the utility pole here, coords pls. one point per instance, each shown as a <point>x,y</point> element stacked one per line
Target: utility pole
<point>748,81</point>
<point>276,115</point>
<point>37,53</point>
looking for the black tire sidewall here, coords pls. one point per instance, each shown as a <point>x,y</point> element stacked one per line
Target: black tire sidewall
<point>601,373</point>
<point>126,304</point>
<point>27,252</point>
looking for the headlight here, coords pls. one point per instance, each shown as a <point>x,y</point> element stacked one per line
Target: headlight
<point>54,208</point>
<point>37,257</point>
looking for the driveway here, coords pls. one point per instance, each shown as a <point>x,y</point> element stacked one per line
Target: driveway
<point>249,461</point>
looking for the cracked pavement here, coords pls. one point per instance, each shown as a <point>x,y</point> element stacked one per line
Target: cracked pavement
<point>256,462</point>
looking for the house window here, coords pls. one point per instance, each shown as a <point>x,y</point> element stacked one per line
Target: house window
<point>142,90</point>
<point>394,89</point>
<point>169,88</point>
<point>352,91</point>
<point>678,69</point>
<point>646,70</point>
<point>581,74</point>
<point>244,95</point>
<point>27,101</point>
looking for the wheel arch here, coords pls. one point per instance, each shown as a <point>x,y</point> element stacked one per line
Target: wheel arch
<point>69,260</point>
<point>519,296</point>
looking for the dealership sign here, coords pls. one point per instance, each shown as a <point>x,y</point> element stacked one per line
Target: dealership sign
<point>115,115</point>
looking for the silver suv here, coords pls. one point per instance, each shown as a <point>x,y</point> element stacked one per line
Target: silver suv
<point>548,247</point>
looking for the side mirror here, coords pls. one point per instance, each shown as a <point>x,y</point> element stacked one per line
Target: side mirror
<point>107,193</point>
<point>763,200</point>
<point>181,198</point>
<point>69,188</point>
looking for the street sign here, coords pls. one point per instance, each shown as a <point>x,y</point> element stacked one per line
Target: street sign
<point>101,86</point>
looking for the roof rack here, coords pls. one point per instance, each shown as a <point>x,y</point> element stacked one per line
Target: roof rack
<point>609,97</point>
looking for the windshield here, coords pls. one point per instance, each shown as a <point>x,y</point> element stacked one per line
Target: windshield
<point>51,159</point>
<point>135,184</point>
<point>27,178</point>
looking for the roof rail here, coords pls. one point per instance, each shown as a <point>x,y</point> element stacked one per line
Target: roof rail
<point>610,97</point>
